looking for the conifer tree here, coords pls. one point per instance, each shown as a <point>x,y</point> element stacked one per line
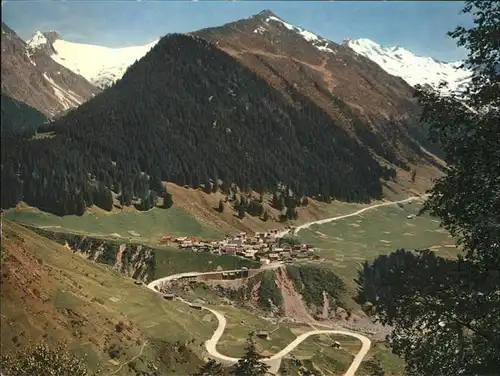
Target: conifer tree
<point>208,187</point>
<point>275,200</point>
<point>413,175</point>
<point>241,211</point>
<point>152,199</point>
<point>215,186</point>
<point>211,368</point>
<point>106,199</point>
<point>250,364</point>
<point>122,200</point>
<point>305,201</point>
<point>80,204</point>
<point>265,217</point>
<point>156,185</point>
<point>167,200</point>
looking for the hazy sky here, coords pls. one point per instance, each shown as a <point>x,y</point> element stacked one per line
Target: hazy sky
<point>419,26</point>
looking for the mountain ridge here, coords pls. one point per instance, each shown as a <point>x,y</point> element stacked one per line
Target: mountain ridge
<point>339,122</point>
<point>375,107</point>
<point>102,73</point>
<point>34,78</point>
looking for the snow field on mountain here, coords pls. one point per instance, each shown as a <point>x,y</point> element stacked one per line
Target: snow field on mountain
<point>412,68</point>
<point>97,63</point>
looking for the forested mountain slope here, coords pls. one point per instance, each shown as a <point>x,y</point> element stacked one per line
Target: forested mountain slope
<point>18,117</point>
<point>187,112</point>
<point>374,106</point>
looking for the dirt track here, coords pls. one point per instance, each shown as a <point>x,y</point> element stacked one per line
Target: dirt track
<point>327,220</point>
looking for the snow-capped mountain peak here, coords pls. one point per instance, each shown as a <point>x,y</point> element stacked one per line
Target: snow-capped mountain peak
<point>37,40</point>
<point>100,65</point>
<point>412,68</point>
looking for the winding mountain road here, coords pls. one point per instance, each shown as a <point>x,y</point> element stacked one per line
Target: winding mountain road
<point>275,361</point>
<point>327,220</point>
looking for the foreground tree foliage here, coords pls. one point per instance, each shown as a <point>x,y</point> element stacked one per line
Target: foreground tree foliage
<point>250,364</point>
<point>446,313</point>
<point>211,368</point>
<point>41,359</point>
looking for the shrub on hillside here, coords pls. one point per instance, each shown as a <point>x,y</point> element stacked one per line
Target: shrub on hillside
<point>310,281</point>
<point>291,240</point>
<point>42,359</point>
<point>269,293</point>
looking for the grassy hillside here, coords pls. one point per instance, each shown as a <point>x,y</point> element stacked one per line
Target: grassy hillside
<point>50,294</point>
<point>193,214</point>
<point>143,262</point>
<point>137,226</point>
<point>345,243</point>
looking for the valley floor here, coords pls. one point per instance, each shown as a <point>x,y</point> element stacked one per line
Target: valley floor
<point>80,295</point>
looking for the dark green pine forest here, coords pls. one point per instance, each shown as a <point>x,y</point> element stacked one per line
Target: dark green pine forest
<point>190,114</point>
<point>17,117</point>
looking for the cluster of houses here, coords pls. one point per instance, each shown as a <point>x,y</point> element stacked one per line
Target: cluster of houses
<point>265,247</point>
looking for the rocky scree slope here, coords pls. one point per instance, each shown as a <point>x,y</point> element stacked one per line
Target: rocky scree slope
<point>31,76</point>
<point>188,112</point>
<point>301,292</point>
<point>375,107</point>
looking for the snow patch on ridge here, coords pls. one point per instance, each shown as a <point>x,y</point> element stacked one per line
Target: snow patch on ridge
<point>287,25</point>
<point>325,48</point>
<point>29,58</point>
<point>307,35</point>
<point>260,30</point>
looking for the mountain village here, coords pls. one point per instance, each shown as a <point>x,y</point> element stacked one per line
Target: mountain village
<point>265,247</point>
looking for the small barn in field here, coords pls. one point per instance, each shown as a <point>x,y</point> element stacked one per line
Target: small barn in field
<point>262,334</point>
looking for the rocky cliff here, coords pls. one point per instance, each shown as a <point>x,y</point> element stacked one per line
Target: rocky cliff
<point>135,260</point>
